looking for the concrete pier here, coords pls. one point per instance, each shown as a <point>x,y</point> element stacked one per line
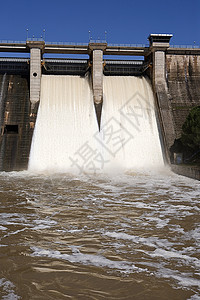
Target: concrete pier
<point>97,70</point>
<point>159,43</point>
<point>96,55</point>
<point>36,49</point>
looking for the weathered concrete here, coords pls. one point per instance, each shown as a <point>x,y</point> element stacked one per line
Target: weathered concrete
<point>16,126</point>
<point>35,70</point>
<point>176,82</point>
<point>97,76</point>
<point>96,55</point>
<point>188,171</point>
<point>97,71</point>
<point>183,81</point>
<point>158,49</point>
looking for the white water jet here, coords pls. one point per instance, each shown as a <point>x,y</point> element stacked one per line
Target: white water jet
<point>129,125</point>
<point>66,136</point>
<point>65,123</point>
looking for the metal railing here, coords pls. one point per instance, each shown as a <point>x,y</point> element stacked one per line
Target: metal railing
<point>14,59</point>
<point>35,39</point>
<point>12,42</point>
<point>66,61</point>
<point>66,43</point>
<point>127,45</point>
<point>124,62</point>
<point>94,41</point>
<point>185,46</point>
<point>98,41</point>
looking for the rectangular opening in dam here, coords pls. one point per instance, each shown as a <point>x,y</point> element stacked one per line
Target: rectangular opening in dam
<point>11,129</point>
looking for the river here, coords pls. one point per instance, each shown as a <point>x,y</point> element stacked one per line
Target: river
<point>128,236</point>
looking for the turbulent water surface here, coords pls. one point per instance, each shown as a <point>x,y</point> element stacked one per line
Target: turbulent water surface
<point>123,235</point>
<point>132,236</point>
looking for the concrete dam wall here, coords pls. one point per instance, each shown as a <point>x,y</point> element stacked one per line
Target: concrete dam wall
<point>183,81</point>
<point>15,122</point>
<point>174,73</point>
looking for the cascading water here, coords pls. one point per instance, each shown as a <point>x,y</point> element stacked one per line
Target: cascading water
<point>129,114</point>
<point>65,124</point>
<point>66,136</point>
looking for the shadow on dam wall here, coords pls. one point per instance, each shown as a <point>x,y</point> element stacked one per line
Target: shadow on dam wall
<point>15,121</point>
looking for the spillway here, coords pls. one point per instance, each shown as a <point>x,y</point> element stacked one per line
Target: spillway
<point>66,135</point>
<point>65,124</point>
<point>129,113</point>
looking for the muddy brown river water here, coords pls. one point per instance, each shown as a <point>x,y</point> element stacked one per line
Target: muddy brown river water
<point>130,236</point>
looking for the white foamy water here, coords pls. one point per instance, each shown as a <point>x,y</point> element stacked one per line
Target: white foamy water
<point>65,124</point>
<point>66,136</point>
<point>110,236</point>
<point>129,112</point>
<point>8,288</point>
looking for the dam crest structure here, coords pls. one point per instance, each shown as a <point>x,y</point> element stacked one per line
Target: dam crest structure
<point>173,71</point>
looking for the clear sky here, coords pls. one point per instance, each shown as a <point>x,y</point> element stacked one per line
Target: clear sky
<point>126,21</point>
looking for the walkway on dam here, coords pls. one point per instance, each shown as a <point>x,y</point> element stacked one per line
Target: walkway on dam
<point>84,48</point>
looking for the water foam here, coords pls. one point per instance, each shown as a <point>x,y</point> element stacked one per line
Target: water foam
<point>88,259</point>
<point>65,122</point>
<point>66,136</point>
<point>129,112</point>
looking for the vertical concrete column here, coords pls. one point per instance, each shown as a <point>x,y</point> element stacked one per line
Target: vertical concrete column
<point>97,70</point>
<point>158,46</point>
<point>36,48</point>
<point>96,53</point>
<point>159,71</point>
<point>97,75</point>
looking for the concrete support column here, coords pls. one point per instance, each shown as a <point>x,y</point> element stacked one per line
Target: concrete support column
<point>158,45</point>
<point>159,71</point>
<point>97,76</point>
<point>97,70</point>
<point>96,53</point>
<point>35,70</point>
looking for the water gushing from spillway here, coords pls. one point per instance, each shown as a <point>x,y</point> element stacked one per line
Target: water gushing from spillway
<point>129,111</point>
<point>67,137</point>
<point>65,121</point>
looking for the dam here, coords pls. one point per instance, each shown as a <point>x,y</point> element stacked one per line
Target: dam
<point>88,208</point>
<point>173,72</point>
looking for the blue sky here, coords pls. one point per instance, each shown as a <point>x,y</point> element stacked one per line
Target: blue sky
<point>126,21</point>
